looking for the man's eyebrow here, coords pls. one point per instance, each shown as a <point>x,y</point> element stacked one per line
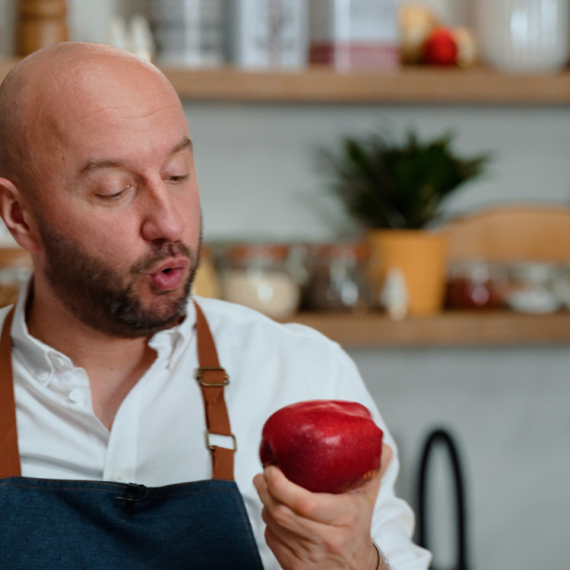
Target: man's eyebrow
<point>96,164</point>
<point>185,144</point>
<point>101,163</point>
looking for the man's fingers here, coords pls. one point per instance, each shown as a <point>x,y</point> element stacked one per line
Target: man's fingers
<point>387,456</point>
<point>287,532</point>
<point>318,507</point>
<point>321,508</point>
<point>278,511</point>
<point>276,491</point>
<point>304,527</point>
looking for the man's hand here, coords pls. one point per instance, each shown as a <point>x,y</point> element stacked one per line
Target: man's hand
<point>318,530</point>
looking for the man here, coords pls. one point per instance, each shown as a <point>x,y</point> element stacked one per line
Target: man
<point>97,182</point>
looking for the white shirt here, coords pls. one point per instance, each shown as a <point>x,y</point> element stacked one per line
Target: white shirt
<point>158,435</point>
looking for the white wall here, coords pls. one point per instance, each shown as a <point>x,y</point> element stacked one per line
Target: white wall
<point>269,155</point>
<point>508,407</point>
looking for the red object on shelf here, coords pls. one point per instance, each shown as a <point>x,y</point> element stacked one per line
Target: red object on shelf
<point>476,285</point>
<point>463,293</point>
<point>441,48</point>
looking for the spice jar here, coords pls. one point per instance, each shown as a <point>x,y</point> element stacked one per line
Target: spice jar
<point>475,285</point>
<point>257,276</point>
<point>338,280</point>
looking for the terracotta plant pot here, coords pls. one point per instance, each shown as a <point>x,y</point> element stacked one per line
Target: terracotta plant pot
<point>421,256</point>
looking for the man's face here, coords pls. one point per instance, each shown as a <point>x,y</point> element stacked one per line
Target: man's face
<point>119,212</point>
<point>105,298</point>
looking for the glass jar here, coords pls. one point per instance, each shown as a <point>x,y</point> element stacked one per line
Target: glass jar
<point>338,278</point>
<point>532,287</point>
<point>475,285</point>
<point>524,36</point>
<point>257,276</point>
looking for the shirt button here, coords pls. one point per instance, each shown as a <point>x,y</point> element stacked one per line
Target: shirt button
<point>75,396</point>
<point>59,361</point>
<point>119,477</point>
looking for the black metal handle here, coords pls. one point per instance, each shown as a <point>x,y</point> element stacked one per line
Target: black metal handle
<point>437,437</point>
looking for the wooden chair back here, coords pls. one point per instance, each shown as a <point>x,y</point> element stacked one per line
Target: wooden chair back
<point>514,233</point>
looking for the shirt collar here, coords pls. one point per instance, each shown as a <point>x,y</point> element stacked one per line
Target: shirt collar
<point>169,343</point>
<point>41,359</point>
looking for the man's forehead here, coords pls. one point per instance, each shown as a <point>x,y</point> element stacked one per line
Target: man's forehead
<point>95,164</point>
<point>80,81</point>
<point>83,109</point>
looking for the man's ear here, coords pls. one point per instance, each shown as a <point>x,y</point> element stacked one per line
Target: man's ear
<point>17,216</point>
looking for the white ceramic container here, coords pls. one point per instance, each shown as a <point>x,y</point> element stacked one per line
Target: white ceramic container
<point>268,34</point>
<point>524,36</point>
<point>188,33</point>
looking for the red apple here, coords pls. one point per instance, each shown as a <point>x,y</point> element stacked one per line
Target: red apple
<point>441,47</point>
<point>325,446</point>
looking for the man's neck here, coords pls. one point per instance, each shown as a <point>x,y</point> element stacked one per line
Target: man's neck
<point>113,365</point>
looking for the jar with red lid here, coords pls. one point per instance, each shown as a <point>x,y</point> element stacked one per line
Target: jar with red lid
<point>338,278</point>
<point>257,276</point>
<point>474,284</point>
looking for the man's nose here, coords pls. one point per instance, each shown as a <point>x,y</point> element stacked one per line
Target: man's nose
<point>162,218</point>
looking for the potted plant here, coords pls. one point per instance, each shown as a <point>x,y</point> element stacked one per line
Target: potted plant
<point>397,190</point>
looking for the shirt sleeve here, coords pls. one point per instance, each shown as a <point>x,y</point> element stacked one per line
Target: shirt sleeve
<point>393,520</point>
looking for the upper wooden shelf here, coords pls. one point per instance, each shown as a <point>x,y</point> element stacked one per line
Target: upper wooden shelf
<point>454,328</point>
<point>408,85</point>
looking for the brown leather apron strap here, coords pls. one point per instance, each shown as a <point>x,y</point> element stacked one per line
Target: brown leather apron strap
<point>9,455</point>
<point>213,378</point>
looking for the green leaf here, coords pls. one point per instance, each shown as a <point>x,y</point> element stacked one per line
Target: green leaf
<point>386,184</point>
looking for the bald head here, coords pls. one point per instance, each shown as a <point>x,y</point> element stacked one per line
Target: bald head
<point>54,86</point>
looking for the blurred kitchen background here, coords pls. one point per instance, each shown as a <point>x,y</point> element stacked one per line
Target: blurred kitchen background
<point>295,104</point>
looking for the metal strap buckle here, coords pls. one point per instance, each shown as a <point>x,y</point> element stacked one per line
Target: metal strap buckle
<point>210,446</point>
<point>202,369</point>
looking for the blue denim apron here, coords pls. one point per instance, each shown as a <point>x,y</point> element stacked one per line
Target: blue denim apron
<point>52,524</point>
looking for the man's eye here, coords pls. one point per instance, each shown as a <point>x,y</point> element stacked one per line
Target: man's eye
<point>114,196</point>
<point>178,177</point>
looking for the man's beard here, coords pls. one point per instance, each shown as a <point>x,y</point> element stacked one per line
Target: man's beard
<point>96,293</point>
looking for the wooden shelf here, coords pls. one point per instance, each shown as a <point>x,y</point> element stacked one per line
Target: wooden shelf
<point>454,328</point>
<point>420,85</point>
<point>408,85</point>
